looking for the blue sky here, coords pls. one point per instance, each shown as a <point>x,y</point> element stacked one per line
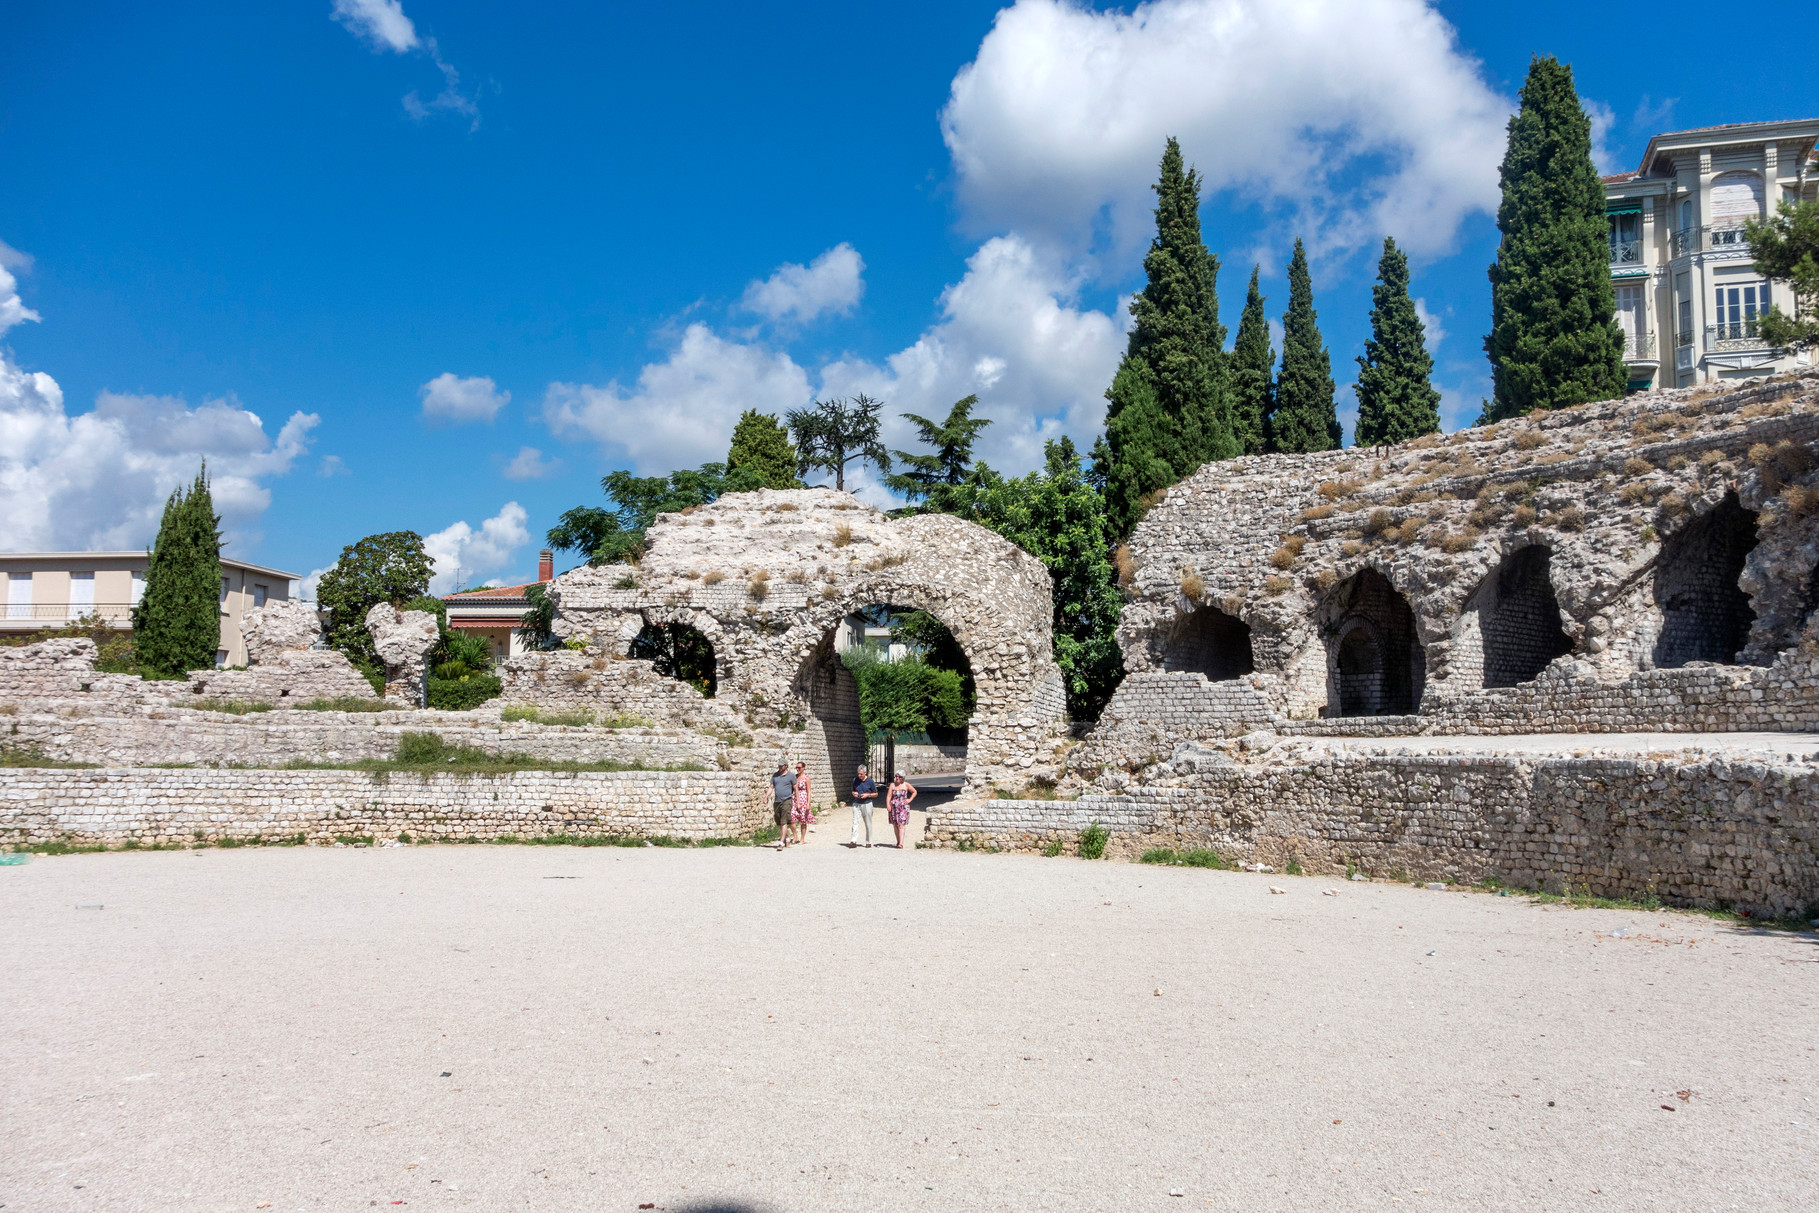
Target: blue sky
<point>438,266</point>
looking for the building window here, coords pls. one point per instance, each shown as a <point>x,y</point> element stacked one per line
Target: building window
<point>1736,197</point>
<point>224,595</point>
<point>1626,238</point>
<point>1738,309</point>
<point>1686,321</point>
<point>138,585</point>
<point>18,595</point>
<point>1632,318</point>
<point>81,594</point>
<point>258,595</point>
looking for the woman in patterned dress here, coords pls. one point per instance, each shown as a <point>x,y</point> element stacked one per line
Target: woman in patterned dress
<point>898,799</point>
<point>800,814</point>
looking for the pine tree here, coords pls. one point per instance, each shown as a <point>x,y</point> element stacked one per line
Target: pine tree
<point>929,476</point>
<point>1396,401</point>
<point>177,621</point>
<point>1253,365</point>
<point>762,455</point>
<point>1178,345</point>
<point>1554,339</point>
<point>1303,418</point>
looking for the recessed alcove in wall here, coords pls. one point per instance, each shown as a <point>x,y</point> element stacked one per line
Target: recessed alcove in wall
<point>1208,641</point>
<point>1519,618</point>
<point>1375,663</point>
<point>1705,615</point>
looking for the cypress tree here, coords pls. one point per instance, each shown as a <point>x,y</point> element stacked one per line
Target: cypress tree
<point>1138,435</point>
<point>1396,401</point>
<point>1554,339</point>
<point>762,455</point>
<point>1304,418</point>
<point>1182,386</point>
<point>1253,365</point>
<point>177,620</point>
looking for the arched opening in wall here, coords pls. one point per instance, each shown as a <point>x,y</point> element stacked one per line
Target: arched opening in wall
<point>1519,618</point>
<point>1705,615</point>
<point>1375,663</point>
<point>1208,641</point>
<point>1809,602</point>
<point>890,687</point>
<point>678,651</point>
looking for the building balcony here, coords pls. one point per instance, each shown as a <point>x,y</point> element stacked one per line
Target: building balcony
<point>1696,239</point>
<point>1739,335</point>
<point>1626,256</point>
<point>1639,347</point>
<point>49,614</point>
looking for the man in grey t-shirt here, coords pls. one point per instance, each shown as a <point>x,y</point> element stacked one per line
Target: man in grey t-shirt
<point>783,789</point>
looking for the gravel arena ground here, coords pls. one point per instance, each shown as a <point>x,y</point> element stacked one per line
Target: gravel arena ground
<point>516,1027</point>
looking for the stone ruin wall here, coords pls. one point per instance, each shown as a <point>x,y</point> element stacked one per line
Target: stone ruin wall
<point>1733,831</point>
<point>1544,574</point>
<point>766,577</point>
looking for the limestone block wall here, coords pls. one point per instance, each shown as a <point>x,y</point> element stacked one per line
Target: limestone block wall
<point>117,806</point>
<point>297,675</point>
<point>1690,829</point>
<point>562,680</point>
<point>1674,527</point>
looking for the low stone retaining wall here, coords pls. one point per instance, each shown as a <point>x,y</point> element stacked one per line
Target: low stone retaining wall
<point>186,806</point>
<point>1694,830</point>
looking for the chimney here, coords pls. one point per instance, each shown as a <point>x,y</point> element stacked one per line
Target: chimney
<point>546,565</point>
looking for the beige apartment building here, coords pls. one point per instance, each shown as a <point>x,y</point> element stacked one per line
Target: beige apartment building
<point>50,589</point>
<point>1688,296</point>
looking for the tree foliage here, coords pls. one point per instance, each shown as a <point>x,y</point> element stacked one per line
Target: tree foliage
<point>177,620</point>
<point>611,536</point>
<point>1396,399</point>
<point>909,695</point>
<point>933,476</point>
<point>834,433</point>
<point>1304,417</point>
<point>390,567</point>
<point>536,624</point>
<point>762,455</point>
<point>1174,375</point>
<point>1253,365</point>
<point>676,650</point>
<point>1786,247</point>
<point>1554,339</point>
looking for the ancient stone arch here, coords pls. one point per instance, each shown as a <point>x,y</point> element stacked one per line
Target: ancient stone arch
<point>1519,618</point>
<point>1376,664</point>
<point>768,576</point>
<point>1209,641</point>
<point>1705,614</point>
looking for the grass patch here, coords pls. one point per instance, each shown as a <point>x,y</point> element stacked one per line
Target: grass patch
<point>1052,848</point>
<point>1199,857</point>
<point>344,703</point>
<point>35,760</point>
<point>233,707</point>
<point>426,752</point>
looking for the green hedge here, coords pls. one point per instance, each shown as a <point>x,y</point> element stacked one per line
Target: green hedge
<point>460,694</point>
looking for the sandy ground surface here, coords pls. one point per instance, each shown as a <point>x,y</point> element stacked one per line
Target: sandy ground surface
<point>488,1028</point>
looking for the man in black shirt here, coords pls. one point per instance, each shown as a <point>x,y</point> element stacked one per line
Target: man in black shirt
<point>864,792</point>
<point>783,788</point>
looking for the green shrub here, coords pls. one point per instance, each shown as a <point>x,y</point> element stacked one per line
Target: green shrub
<point>464,693</point>
<point>1052,848</point>
<point>1092,841</point>
<point>1157,855</point>
<point>1203,858</point>
<point>344,703</point>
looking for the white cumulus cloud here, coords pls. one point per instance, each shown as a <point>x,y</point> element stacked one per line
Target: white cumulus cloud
<point>457,401</point>
<point>529,464</point>
<point>380,22</point>
<point>682,410</point>
<point>461,553</point>
<point>99,479</point>
<point>1358,118</point>
<point>12,308</point>
<point>831,283</point>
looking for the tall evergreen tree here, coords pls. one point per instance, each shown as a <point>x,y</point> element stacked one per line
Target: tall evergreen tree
<point>1138,439</point>
<point>1253,367</point>
<point>762,455</point>
<point>1396,401</point>
<point>929,476</point>
<point>1174,366</point>
<point>1303,418</point>
<point>1554,339</point>
<point>834,433</point>
<point>177,620</point>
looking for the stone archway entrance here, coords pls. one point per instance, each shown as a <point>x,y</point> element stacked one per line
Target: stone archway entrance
<point>1705,615</point>
<point>1375,663</point>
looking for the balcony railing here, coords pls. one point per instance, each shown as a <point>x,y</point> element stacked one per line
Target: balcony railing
<point>63,612</point>
<point>1738,335</point>
<point>1626,254</point>
<point>1685,338</point>
<point>1693,239</point>
<point>1638,347</point>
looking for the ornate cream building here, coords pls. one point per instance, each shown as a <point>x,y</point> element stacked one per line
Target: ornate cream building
<point>1688,295</point>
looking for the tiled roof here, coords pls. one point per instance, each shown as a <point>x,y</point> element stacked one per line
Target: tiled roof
<point>1619,178</point>
<point>497,591</point>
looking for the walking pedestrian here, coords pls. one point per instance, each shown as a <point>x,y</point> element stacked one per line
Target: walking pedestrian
<point>902,795</point>
<point>865,790</point>
<point>783,792</point>
<point>800,813</point>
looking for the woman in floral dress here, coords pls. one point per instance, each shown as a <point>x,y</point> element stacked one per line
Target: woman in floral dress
<point>800,814</point>
<point>898,799</point>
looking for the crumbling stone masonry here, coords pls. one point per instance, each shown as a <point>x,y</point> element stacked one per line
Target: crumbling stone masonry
<point>403,640</point>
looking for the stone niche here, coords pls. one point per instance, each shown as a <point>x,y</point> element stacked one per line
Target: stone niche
<point>1545,568</point>
<point>766,580</point>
